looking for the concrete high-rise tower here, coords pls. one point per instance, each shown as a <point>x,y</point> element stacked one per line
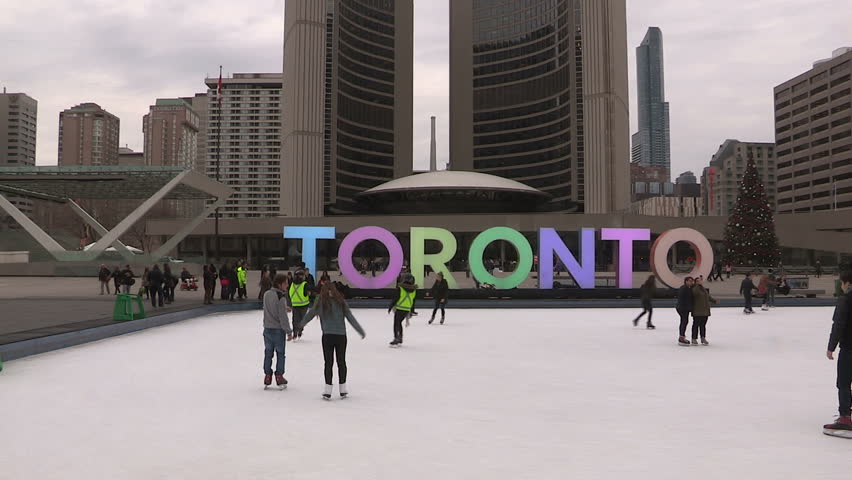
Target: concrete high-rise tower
<point>652,143</point>
<point>88,135</point>
<point>538,94</point>
<point>347,102</point>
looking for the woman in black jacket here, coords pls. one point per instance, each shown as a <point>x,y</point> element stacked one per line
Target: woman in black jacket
<point>439,292</point>
<point>647,292</point>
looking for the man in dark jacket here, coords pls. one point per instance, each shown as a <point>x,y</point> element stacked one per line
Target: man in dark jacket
<point>155,285</point>
<point>439,292</point>
<point>746,290</point>
<point>103,276</point>
<point>684,308</point>
<point>841,334</point>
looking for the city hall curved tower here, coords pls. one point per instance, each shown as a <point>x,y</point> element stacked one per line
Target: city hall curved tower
<point>538,94</point>
<point>348,101</point>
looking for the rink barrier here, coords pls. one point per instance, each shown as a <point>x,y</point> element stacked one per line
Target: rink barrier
<point>35,346</point>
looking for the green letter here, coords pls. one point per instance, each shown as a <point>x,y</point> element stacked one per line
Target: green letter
<point>525,257</point>
<point>438,261</point>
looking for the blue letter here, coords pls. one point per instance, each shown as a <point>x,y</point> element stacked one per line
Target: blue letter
<point>309,237</point>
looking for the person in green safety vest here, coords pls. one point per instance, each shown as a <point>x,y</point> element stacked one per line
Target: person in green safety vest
<point>241,280</point>
<point>402,305</point>
<point>300,301</point>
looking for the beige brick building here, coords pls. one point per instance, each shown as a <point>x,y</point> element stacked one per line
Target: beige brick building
<point>171,134</point>
<point>813,131</point>
<point>88,135</point>
<point>18,115</point>
<point>720,182</point>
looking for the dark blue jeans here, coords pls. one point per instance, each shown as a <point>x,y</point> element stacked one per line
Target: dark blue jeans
<point>273,342</point>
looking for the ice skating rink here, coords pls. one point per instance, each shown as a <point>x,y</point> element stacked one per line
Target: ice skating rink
<point>506,394</point>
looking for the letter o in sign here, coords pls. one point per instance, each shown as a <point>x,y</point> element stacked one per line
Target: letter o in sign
<point>664,243</point>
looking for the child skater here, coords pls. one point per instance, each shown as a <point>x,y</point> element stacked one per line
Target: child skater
<point>333,311</point>
<point>402,306</point>
<point>647,290</point>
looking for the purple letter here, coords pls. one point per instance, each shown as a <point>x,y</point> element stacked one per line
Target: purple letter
<point>583,273</point>
<point>347,249</point>
<point>625,238</point>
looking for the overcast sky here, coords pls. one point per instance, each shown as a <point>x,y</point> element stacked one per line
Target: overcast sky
<point>722,59</point>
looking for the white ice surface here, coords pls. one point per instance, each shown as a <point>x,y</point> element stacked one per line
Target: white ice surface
<point>497,394</point>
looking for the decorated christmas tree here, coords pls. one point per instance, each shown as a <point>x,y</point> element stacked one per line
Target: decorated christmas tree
<point>750,235</point>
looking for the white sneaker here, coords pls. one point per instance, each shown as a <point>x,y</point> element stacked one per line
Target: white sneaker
<point>326,393</point>
<point>343,391</point>
<point>765,309</point>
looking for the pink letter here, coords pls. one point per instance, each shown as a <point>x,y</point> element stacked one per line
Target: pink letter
<point>347,249</point>
<point>625,238</point>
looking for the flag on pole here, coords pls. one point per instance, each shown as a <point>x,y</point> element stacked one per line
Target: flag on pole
<point>219,87</point>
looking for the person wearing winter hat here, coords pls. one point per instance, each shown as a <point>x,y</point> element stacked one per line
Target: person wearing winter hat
<point>402,305</point>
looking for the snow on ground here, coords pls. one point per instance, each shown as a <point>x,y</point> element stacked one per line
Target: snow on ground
<point>507,394</point>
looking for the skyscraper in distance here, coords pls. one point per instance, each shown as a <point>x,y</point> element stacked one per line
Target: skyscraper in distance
<point>538,94</point>
<point>88,135</point>
<point>347,101</point>
<point>652,143</point>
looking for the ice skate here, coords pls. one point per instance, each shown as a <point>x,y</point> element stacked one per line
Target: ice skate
<point>431,320</point>
<point>442,320</point>
<point>281,382</point>
<point>395,343</point>
<point>764,308</point>
<point>267,381</point>
<point>343,390</point>
<point>650,326</point>
<point>683,342</point>
<point>704,342</point>
<point>635,322</point>
<point>695,341</point>
<point>842,427</point>
<point>326,393</point>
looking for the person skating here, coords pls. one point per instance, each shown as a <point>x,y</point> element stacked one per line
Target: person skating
<point>701,300</point>
<point>684,308</point>
<point>276,327</point>
<point>333,311</point>
<point>402,306</point>
<point>647,292</point>
<point>300,300</point>
<point>841,335</point>
<point>440,292</point>
<point>747,288</point>
<point>767,286</point>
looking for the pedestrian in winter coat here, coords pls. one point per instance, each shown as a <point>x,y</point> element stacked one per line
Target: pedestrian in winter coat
<point>103,276</point>
<point>264,285</point>
<point>209,283</point>
<point>242,275</point>
<point>403,306</point>
<point>647,292</point>
<point>117,279</point>
<point>155,285</point>
<point>233,283</point>
<point>127,278</point>
<point>684,308</point>
<point>333,311</point>
<point>747,288</point>
<point>701,301</point>
<point>440,292</point>
<point>169,282</point>
<point>225,281</point>
<point>145,285</point>
<point>276,327</point>
<point>841,335</point>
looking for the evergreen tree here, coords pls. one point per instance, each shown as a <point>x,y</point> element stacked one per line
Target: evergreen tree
<point>750,235</point>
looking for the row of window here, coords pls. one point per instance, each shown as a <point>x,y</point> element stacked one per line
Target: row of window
<point>522,123</point>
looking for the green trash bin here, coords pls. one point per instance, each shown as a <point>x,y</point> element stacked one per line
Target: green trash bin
<point>123,310</point>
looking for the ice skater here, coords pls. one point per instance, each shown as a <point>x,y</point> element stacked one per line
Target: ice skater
<point>300,300</point>
<point>701,300</point>
<point>439,292</point>
<point>768,284</point>
<point>333,311</point>
<point>402,306</point>
<point>647,292</point>
<point>841,334</point>
<point>684,308</point>
<point>276,326</point>
<point>747,288</point>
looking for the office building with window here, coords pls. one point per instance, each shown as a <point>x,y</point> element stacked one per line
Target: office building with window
<point>652,144</point>
<point>720,182</point>
<point>538,94</point>
<point>18,117</point>
<point>88,135</point>
<point>244,142</point>
<point>348,101</point>
<point>813,131</point>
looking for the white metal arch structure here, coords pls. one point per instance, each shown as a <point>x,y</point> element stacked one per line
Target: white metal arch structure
<point>153,184</point>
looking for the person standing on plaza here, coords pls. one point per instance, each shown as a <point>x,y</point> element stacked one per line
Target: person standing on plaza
<point>117,279</point>
<point>276,329</point>
<point>127,278</point>
<point>233,282</point>
<point>728,270</point>
<point>299,294</point>
<point>155,284</point>
<point>224,280</point>
<point>146,286</point>
<point>440,291</point>
<point>310,279</point>
<point>264,285</point>
<point>212,269</point>
<point>403,306</point>
<point>333,311</point>
<point>209,284</point>
<point>684,308</point>
<point>168,284</point>
<point>818,269</point>
<point>242,280</point>
<point>647,292</point>
<point>747,288</point>
<point>841,335</point>
<point>103,277</point>
<point>701,300</point>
